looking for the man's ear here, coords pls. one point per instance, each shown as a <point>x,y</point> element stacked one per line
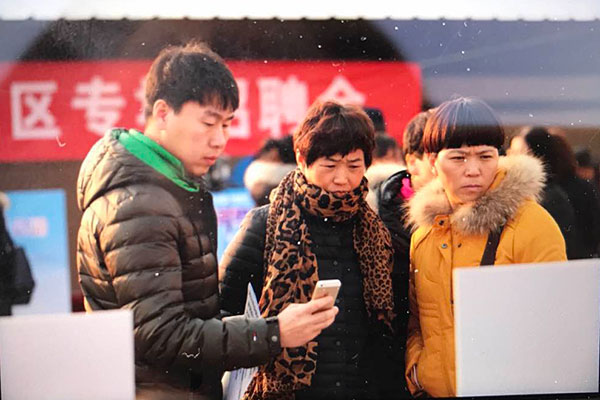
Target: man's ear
<point>410,159</point>
<point>300,160</point>
<point>160,110</point>
<point>432,157</point>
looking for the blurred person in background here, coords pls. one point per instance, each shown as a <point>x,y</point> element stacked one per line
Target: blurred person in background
<point>582,194</point>
<point>587,168</point>
<point>218,176</point>
<point>148,236</point>
<point>392,196</point>
<point>319,226</point>
<point>387,156</point>
<point>272,162</point>
<point>396,190</point>
<point>538,142</point>
<point>387,160</point>
<point>480,209</point>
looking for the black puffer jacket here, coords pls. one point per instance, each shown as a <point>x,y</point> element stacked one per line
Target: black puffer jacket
<point>393,214</point>
<point>586,203</point>
<point>147,245</point>
<point>357,358</point>
<point>556,202</point>
<point>391,207</point>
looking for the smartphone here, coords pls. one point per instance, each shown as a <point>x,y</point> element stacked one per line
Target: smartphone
<point>326,287</point>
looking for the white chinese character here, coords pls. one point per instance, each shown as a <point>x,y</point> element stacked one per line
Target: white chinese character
<point>240,127</point>
<point>101,103</point>
<point>281,102</point>
<point>341,90</point>
<point>34,97</point>
<point>294,100</point>
<point>140,95</point>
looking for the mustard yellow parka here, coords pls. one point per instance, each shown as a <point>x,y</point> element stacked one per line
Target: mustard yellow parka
<point>447,239</point>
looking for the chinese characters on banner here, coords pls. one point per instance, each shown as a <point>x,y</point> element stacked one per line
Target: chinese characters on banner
<point>58,110</point>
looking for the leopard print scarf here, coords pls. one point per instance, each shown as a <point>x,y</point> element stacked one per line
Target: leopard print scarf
<point>291,271</point>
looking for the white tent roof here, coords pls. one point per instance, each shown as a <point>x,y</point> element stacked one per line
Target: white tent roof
<point>310,9</point>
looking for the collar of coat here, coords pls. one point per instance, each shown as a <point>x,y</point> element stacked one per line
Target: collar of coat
<point>519,178</point>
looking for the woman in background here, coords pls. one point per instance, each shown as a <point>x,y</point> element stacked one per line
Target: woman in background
<point>539,143</point>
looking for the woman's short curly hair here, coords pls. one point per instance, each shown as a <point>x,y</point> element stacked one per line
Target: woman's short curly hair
<point>331,128</point>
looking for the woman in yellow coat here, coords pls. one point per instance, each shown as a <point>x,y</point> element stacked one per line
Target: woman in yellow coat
<point>476,192</point>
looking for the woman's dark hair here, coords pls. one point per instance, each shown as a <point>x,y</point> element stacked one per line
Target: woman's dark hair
<point>541,145</point>
<point>554,151</point>
<point>331,128</point>
<point>565,161</point>
<point>459,122</point>
<point>190,73</point>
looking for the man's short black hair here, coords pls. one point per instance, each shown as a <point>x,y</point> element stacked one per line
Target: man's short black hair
<point>190,73</point>
<point>412,141</point>
<point>284,147</point>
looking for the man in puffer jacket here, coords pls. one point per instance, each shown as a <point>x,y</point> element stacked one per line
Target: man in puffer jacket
<point>392,196</point>
<point>147,239</point>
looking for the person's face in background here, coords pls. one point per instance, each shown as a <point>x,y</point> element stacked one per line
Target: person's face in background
<point>517,146</point>
<point>392,156</point>
<point>466,173</point>
<point>336,174</point>
<point>271,155</point>
<point>420,170</point>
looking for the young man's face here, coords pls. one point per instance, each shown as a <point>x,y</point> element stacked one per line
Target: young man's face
<point>518,145</point>
<point>419,169</point>
<point>196,135</point>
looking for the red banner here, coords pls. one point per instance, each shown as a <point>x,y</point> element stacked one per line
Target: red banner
<point>58,110</point>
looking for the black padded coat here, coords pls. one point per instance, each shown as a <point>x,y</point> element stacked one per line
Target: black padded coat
<point>147,245</point>
<point>357,357</point>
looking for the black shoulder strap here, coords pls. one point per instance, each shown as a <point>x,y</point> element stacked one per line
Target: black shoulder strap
<point>489,254</point>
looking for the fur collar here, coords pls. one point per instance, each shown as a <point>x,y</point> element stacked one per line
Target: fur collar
<point>519,178</point>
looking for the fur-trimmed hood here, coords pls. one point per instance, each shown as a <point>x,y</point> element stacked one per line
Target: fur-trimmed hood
<point>267,173</point>
<point>519,178</point>
<point>379,172</point>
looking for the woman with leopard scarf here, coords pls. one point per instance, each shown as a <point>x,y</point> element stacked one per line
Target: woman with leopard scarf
<point>319,226</point>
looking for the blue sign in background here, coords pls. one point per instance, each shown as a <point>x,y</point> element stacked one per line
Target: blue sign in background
<point>231,206</point>
<point>37,221</point>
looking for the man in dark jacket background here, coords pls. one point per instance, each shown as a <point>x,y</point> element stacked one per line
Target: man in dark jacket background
<point>391,196</point>
<point>147,240</point>
<point>398,188</point>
